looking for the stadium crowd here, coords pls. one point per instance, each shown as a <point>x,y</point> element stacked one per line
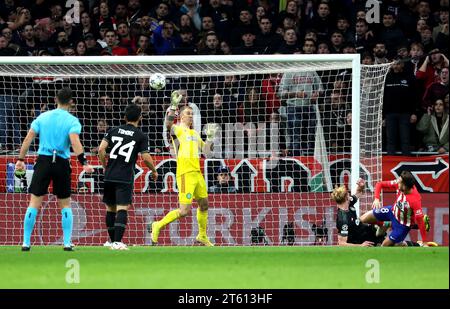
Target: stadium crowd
<point>413,34</point>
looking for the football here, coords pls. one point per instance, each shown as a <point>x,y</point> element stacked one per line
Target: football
<point>157,81</point>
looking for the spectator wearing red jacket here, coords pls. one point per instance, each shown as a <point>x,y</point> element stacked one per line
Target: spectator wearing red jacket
<point>434,62</point>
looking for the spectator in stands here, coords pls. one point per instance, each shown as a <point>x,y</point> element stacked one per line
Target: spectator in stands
<point>276,136</point>
<point>334,121</point>
<point>145,23</point>
<point>343,25</point>
<point>390,34</point>
<point>222,183</point>
<point>407,17</point>
<point>207,27</point>
<point>337,40</point>
<point>218,110</point>
<point>399,108</point>
<point>323,48</point>
<point>231,92</point>
<point>134,11</point>
<point>80,48</point>
<point>144,46</point>
<point>363,37</point>
<point>440,32</point>
<point>416,54</point>
<point>186,46</point>
<point>426,39</point>
<point>437,90</point>
<point>221,17</point>
<point>446,104</point>
<point>311,34</point>
<point>247,46</point>
<point>301,91</point>
<point>245,22</point>
<point>225,48</point>
<point>113,49</point>
<point>93,48</point>
<point>309,47</point>
<point>266,40</point>
<point>269,90</point>
<point>434,125</point>
<point>290,45</point>
<point>161,13</point>
<point>107,109</point>
<point>322,22</point>
<point>434,62</point>
<point>73,33</point>
<point>165,40</point>
<point>125,38</point>
<point>252,108</point>
<point>293,13</point>
<point>92,141</point>
<point>29,45</point>
<point>260,12</point>
<point>424,12</point>
<point>349,48</point>
<point>367,59</point>
<point>9,102</point>
<point>192,9</point>
<point>209,45</point>
<point>185,21</point>
<point>86,24</point>
<point>5,50</point>
<point>121,13</point>
<point>380,53</point>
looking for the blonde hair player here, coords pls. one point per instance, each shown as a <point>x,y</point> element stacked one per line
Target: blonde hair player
<point>190,181</point>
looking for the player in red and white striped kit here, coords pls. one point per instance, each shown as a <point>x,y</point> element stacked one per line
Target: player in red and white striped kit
<point>406,211</point>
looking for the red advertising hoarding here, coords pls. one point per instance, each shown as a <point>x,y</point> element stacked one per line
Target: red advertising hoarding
<point>231,218</point>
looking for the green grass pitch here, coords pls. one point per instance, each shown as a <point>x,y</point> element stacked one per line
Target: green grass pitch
<point>225,267</point>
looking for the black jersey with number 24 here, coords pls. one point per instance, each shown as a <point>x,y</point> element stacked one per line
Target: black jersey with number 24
<point>124,145</point>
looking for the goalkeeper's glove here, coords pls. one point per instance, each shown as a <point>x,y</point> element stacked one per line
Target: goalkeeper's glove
<point>211,130</point>
<point>175,99</point>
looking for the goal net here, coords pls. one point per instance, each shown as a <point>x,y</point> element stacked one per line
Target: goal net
<point>291,128</point>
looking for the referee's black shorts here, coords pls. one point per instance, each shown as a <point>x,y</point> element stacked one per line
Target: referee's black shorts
<point>45,171</point>
<point>117,193</point>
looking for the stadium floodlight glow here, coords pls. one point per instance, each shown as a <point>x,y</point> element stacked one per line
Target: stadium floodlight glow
<point>251,97</point>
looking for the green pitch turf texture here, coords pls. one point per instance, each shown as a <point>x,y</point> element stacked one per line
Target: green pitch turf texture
<point>225,267</point>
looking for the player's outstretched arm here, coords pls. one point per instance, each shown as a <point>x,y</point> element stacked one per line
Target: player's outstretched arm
<point>208,146</point>
<point>175,99</point>
<point>392,185</point>
<point>102,152</point>
<point>342,241</point>
<point>20,164</point>
<point>148,160</point>
<point>360,186</point>
<point>79,152</point>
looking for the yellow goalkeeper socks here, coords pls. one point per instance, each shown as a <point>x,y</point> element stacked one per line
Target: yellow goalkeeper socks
<point>170,217</point>
<point>202,219</point>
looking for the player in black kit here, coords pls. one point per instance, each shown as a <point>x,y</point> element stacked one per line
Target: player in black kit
<point>123,144</point>
<point>351,232</point>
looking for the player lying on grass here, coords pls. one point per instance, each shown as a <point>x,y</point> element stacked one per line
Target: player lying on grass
<point>57,130</point>
<point>351,232</point>
<point>406,211</point>
<point>190,182</point>
<point>123,144</point>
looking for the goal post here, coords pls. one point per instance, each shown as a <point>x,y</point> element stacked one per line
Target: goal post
<point>285,137</point>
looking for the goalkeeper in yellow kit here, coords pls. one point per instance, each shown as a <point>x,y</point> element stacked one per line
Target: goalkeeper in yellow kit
<point>190,182</point>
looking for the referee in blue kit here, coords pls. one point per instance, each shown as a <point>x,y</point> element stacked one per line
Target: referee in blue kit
<point>57,130</point>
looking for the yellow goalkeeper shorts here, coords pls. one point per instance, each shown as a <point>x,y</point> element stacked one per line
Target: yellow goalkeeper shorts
<point>191,186</point>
